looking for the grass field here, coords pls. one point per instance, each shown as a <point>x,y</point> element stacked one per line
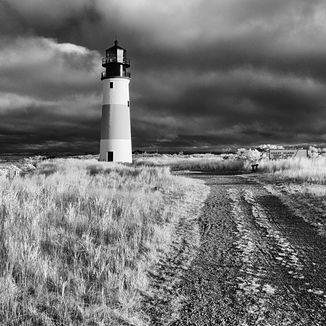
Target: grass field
<point>195,162</point>
<point>298,170</point>
<point>77,237</point>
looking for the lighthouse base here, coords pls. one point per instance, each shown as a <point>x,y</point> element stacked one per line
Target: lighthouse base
<point>116,150</point>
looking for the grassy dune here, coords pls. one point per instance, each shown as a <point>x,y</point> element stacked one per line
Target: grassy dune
<point>77,237</point>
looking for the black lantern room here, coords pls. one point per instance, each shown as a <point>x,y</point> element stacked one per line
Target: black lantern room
<point>115,62</point>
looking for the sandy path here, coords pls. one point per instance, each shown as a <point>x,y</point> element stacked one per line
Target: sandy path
<point>257,264</point>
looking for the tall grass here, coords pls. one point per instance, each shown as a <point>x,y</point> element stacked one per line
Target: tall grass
<point>76,237</point>
<point>300,170</point>
<point>196,162</point>
<point>297,169</point>
<point>216,164</point>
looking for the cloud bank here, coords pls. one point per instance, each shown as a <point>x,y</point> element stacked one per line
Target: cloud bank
<point>205,74</point>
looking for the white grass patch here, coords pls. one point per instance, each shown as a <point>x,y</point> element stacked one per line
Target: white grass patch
<point>195,162</point>
<point>79,235</point>
<point>298,170</point>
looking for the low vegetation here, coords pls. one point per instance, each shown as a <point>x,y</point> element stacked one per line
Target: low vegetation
<point>77,237</point>
<point>299,170</point>
<point>310,169</point>
<point>207,162</point>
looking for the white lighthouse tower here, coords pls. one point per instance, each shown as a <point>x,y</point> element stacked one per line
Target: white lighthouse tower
<point>115,145</point>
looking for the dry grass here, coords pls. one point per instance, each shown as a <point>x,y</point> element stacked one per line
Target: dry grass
<point>297,170</point>
<point>215,164</point>
<point>76,237</point>
<point>195,162</point>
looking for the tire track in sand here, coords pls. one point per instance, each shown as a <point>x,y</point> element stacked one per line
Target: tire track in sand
<point>257,263</point>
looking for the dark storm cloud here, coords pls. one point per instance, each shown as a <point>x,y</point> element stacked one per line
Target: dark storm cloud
<point>204,73</point>
<point>38,128</point>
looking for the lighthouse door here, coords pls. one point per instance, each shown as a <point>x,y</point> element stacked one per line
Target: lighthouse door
<point>110,157</point>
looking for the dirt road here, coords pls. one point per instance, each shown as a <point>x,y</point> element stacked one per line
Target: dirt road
<point>257,264</point>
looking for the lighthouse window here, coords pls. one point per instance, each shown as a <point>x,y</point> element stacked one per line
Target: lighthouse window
<point>128,103</point>
<point>111,84</point>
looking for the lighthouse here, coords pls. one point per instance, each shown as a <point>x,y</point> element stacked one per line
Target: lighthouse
<point>115,145</point>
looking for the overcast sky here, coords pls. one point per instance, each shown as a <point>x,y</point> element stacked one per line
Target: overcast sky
<point>206,74</point>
